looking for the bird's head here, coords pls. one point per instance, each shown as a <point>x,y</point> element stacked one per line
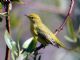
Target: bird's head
<point>34,18</point>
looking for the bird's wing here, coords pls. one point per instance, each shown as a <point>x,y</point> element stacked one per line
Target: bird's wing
<point>42,34</point>
<point>44,31</point>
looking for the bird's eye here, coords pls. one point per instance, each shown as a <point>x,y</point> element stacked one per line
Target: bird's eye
<point>31,17</point>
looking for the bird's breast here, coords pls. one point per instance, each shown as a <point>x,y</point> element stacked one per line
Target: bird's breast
<point>33,30</point>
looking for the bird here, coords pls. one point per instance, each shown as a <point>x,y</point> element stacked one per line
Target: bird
<point>41,32</point>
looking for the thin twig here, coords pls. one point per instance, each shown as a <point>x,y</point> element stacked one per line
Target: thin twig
<point>7,18</point>
<point>65,20</point>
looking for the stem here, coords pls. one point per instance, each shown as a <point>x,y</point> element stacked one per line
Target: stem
<point>7,18</point>
<point>65,19</point>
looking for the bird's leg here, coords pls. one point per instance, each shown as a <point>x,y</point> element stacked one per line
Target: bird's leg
<point>56,45</point>
<point>35,55</point>
<point>36,51</point>
<point>38,48</point>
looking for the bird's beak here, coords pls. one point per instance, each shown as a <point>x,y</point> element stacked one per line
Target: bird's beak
<point>27,16</point>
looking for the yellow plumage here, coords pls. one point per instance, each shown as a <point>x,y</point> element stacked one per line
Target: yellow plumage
<point>41,32</point>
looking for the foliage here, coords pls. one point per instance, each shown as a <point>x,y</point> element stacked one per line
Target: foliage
<point>0,5</point>
<point>28,47</point>
<point>71,33</point>
<point>73,36</point>
<point>19,52</point>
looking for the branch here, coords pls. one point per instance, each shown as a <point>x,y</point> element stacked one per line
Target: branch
<point>65,20</point>
<point>7,18</point>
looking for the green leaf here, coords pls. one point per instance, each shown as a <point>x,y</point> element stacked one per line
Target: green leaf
<point>10,42</point>
<point>3,14</point>
<point>18,40</point>
<point>30,44</point>
<point>13,56</point>
<point>70,28</point>
<point>1,5</point>
<point>23,56</point>
<point>27,43</point>
<point>69,39</point>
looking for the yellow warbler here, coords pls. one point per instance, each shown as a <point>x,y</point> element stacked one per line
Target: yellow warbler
<point>41,32</point>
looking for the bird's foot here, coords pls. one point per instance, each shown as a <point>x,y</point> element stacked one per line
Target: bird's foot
<point>57,45</point>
